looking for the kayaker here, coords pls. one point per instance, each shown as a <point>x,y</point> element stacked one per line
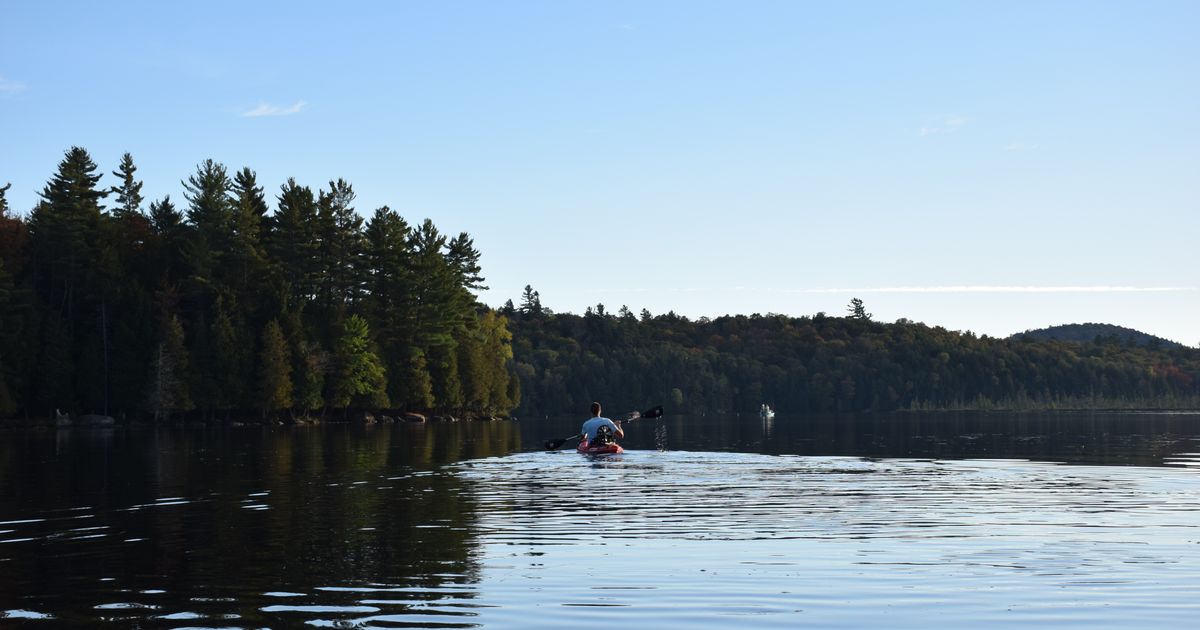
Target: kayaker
<point>598,424</point>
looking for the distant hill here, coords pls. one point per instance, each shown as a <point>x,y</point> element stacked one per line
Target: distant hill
<point>1086,333</point>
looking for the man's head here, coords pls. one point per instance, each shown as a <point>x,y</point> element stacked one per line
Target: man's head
<point>595,409</point>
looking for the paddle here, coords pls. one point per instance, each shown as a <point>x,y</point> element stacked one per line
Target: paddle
<point>653,412</point>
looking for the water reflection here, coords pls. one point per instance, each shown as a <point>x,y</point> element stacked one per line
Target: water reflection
<point>710,521</point>
<point>211,525</point>
<point>719,539</point>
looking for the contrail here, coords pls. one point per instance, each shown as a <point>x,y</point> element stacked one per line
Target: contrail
<point>1003,289</point>
<point>933,289</point>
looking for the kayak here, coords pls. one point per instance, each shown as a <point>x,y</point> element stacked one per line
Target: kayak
<point>603,449</point>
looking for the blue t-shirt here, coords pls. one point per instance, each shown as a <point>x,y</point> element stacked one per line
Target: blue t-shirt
<point>589,427</point>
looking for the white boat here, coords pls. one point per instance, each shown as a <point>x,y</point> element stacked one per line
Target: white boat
<point>765,412</point>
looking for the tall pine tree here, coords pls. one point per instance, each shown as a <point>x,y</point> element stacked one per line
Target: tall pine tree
<point>274,371</point>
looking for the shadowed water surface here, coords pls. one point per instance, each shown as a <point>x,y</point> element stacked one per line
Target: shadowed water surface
<point>713,522</point>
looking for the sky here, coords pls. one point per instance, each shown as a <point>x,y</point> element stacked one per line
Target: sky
<point>983,166</point>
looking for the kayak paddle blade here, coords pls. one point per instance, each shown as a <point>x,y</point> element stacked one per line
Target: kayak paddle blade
<point>656,412</point>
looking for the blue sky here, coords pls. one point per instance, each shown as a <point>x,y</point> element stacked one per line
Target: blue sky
<point>982,166</point>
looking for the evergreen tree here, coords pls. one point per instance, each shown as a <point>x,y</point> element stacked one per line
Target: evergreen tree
<point>293,243</point>
<point>444,376</point>
<point>412,386</point>
<point>464,260</point>
<point>129,192</point>
<point>857,311</point>
<point>210,205</point>
<point>248,275</point>
<point>310,364</point>
<point>251,220</point>
<point>168,391</point>
<point>389,300</point>
<point>531,302</point>
<point>274,371</point>
<point>63,233</point>
<point>358,374</point>
<point>169,239</point>
<point>473,370</point>
<point>439,313</point>
<point>341,246</point>
<point>233,360</point>
<point>164,218</point>
<point>70,265</point>
<point>207,253</point>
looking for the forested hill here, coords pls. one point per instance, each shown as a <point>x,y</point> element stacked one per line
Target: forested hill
<point>1099,333</point>
<point>823,363</point>
<point>233,304</point>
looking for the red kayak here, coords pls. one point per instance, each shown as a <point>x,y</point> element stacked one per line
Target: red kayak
<point>602,449</point>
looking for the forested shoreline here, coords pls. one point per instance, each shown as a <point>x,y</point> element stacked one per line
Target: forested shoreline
<point>223,307</point>
<point>231,306</point>
<point>824,363</point>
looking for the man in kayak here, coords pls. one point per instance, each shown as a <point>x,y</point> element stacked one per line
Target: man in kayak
<point>600,427</point>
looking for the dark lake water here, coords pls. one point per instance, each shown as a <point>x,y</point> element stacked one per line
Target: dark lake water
<point>918,520</point>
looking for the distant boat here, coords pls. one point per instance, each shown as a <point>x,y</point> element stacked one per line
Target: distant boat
<point>765,412</point>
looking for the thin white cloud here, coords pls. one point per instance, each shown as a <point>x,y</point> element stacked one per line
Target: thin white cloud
<point>1003,289</point>
<point>266,109</point>
<point>949,125</point>
<point>914,289</point>
<point>8,86</point>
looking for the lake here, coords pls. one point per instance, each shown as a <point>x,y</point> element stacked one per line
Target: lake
<point>911,520</point>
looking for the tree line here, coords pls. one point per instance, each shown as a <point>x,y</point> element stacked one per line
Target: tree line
<point>825,363</point>
<point>226,306</point>
<point>223,306</point>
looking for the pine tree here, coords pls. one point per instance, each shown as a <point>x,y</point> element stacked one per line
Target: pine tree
<point>857,311</point>
<point>341,246</point>
<point>292,244</point>
<point>248,273</point>
<point>63,234</point>
<point>411,386</point>
<point>473,369</point>
<point>389,299</point>
<point>170,237</point>
<point>169,391</point>
<point>129,192</point>
<point>274,371</point>
<point>357,374</point>
<point>210,205</point>
<point>312,365</point>
<point>531,302</point>
<point>464,260</point>
<point>233,356</point>
<point>444,376</point>
<point>439,314</point>
<point>71,265</point>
